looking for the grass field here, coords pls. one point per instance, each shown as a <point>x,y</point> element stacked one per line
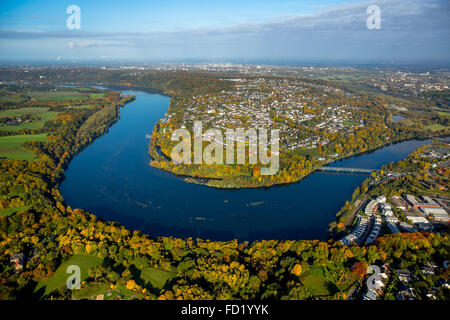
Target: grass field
<point>12,99</point>
<point>22,111</point>
<point>40,112</point>
<point>337,77</point>
<point>441,110</point>
<point>85,106</point>
<point>349,122</point>
<point>97,95</point>
<point>10,211</point>
<point>408,123</point>
<point>436,127</point>
<point>157,278</point>
<point>59,278</point>
<point>63,95</point>
<point>444,113</point>
<point>10,146</point>
<point>57,95</point>
<point>316,282</point>
<point>93,291</point>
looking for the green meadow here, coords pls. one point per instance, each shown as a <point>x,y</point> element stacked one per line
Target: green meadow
<point>61,95</point>
<point>10,211</point>
<point>93,291</point>
<point>316,282</point>
<point>436,127</point>
<point>22,111</point>
<point>157,278</point>
<point>59,279</point>
<point>327,279</point>
<point>444,113</point>
<point>14,99</point>
<point>85,106</point>
<point>97,95</point>
<point>41,112</point>
<point>10,146</point>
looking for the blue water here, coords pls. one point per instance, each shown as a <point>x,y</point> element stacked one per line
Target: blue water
<point>398,118</point>
<point>112,179</point>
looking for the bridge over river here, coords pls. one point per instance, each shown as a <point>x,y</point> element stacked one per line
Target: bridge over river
<point>346,170</point>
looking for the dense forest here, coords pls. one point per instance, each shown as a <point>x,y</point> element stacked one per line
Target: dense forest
<point>120,263</point>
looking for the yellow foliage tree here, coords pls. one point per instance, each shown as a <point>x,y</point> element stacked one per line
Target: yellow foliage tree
<point>297,270</point>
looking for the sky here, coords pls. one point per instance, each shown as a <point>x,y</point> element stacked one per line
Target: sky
<point>330,31</point>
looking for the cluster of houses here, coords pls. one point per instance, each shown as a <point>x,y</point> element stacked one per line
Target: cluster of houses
<point>16,121</point>
<point>428,207</point>
<point>389,217</point>
<point>18,260</point>
<point>417,211</point>
<point>261,103</point>
<point>378,284</point>
<point>405,291</point>
<point>407,227</point>
<point>359,232</point>
<point>367,229</point>
<point>409,82</point>
<point>376,227</point>
<point>436,153</point>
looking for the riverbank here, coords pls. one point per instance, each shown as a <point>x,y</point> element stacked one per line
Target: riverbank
<point>112,179</point>
<point>161,161</point>
<point>422,173</point>
<point>239,177</point>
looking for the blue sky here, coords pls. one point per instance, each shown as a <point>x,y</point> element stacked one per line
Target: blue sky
<point>305,30</point>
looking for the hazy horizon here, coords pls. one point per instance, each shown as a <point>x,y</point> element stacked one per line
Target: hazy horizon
<point>266,32</point>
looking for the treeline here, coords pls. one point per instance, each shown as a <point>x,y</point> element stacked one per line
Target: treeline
<point>97,124</point>
<point>413,169</point>
<point>200,269</point>
<point>32,188</point>
<point>49,233</point>
<point>293,167</point>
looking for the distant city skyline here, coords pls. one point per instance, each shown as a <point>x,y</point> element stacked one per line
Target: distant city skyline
<point>330,31</point>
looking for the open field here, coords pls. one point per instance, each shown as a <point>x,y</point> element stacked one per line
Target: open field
<point>436,127</point>
<point>22,111</point>
<point>59,278</point>
<point>10,211</point>
<point>85,106</point>
<point>316,282</point>
<point>441,110</point>
<point>97,95</point>
<point>63,95</point>
<point>14,99</point>
<point>10,146</point>
<point>42,113</point>
<point>157,278</point>
<point>408,123</point>
<point>94,291</point>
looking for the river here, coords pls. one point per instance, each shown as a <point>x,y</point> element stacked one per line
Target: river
<point>112,179</point>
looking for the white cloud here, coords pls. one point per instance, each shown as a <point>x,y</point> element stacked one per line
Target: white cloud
<point>410,29</point>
